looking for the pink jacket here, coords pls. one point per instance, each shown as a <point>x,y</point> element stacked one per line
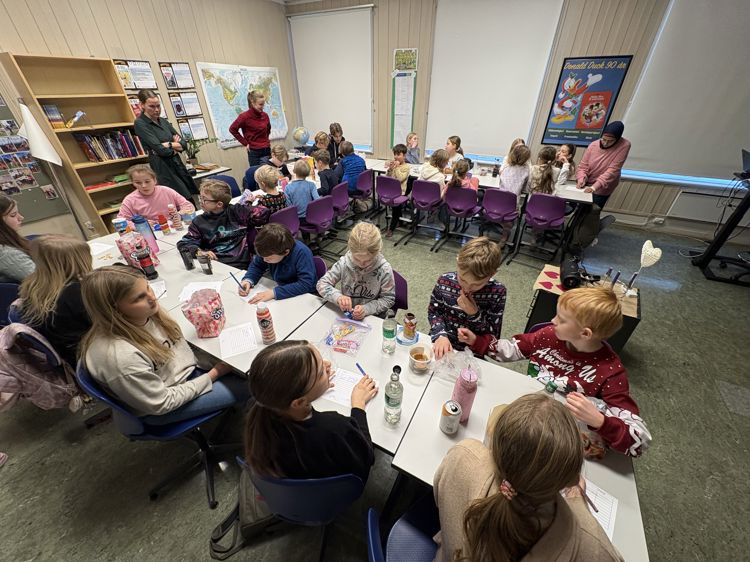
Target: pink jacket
<point>600,168</point>
<point>154,205</point>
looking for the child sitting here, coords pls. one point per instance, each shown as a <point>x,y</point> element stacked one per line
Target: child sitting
<point>149,199</point>
<point>467,298</point>
<point>267,178</point>
<point>412,149</point>
<point>221,230</point>
<point>514,175</point>
<point>278,159</point>
<point>300,191</point>
<point>564,159</point>
<point>513,145</point>
<point>328,178</point>
<point>289,261</point>
<point>285,436</point>
<point>454,151</point>
<point>352,165</point>
<point>433,169</point>
<point>400,170</point>
<point>336,138</point>
<point>572,353</point>
<point>544,176</point>
<point>15,259</point>
<point>322,140</point>
<point>460,177</point>
<point>138,353</point>
<point>367,284</point>
<point>51,296</point>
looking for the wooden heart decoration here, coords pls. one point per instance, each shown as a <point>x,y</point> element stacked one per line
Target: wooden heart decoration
<point>649,254</point>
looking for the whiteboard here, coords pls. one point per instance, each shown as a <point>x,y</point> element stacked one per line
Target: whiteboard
<point>690,114</point>
<point>488,65</point>
<point>333,60</point>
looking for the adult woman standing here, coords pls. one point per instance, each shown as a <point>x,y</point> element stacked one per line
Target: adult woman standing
<point>163,145</point>
<point>252,128</point>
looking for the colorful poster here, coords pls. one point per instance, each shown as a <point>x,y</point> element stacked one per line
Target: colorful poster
<point>586,93</point>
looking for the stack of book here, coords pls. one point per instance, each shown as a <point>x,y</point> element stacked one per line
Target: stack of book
<point>110,146</point>
<point>54,116</point>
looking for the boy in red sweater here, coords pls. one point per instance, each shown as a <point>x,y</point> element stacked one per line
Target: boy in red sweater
<point>572,353</point>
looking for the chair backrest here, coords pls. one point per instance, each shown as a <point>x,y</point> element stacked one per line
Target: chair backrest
<point>547,207</point>
<point>8,293</point>
<point>320,212</point>
<point>340,195</point>
<point>387,187</point>
<point>288,217</point>
<point>499,201</point>
<point>234,188</point>
<point>320,267</point>
<point>314,501</point>
<point>364,182</point>
<point>425,193</point>
<point>402,292</point>
<point>539,326</point>
<point>460,199</point>
<point>52,358</point>
<point>248,182</point>
<point>374,546</point>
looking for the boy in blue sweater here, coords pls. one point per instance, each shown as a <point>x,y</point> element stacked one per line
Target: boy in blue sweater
<point>290,263</point>
<point>300,192</point>
<point>352,165</point>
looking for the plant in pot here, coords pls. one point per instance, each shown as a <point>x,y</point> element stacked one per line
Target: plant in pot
<point>194,147</point>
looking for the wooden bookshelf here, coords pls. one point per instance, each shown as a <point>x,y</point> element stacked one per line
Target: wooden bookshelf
<point>90,85</point>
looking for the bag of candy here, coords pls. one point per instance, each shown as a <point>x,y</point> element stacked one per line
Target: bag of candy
<point>127,242</point>
<point>205,311</point>
<point>347,335</point>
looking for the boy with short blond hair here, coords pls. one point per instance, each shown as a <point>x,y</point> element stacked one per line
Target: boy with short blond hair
<point>322,140</point>
<point>467,298</point>
<point>572,354</point>
<point>221,230</point>
<point>300,191</point>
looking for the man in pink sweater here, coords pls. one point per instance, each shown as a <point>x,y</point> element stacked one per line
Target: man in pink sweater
<point>599,170</point>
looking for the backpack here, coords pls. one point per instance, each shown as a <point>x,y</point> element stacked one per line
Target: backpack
<point>249,518</point>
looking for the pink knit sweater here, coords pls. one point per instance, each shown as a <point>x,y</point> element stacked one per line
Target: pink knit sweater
<point>154,205</point>
<point>600,168</point>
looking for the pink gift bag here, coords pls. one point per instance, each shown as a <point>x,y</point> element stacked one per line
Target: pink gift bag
<point>205,311</point>
<point>127,243</point>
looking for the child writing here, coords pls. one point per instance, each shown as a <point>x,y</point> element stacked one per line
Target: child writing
<point>285,436</point>
<point>572,353</point>
<point>322,140</point>
<point>138,353</point>
<point>433,169</point>
<point>221,230</point>
<point>351,165</point>
<point>290,263</point>
<point>51,300</point>
<point>455,153</point>
<point>300,191</point>
<point>413,155</point>
<point>328,178</point>
<point>336,138</point>
<point>267,178</point>
<point>149,199</point>
<point>367,284</point>
<point>467,298</point>
<point>564,159</point>
<point>544,176</point>
<point>398,169</point>
<point>15,261</point>
<point>514,175</point>
<point>278,159</point>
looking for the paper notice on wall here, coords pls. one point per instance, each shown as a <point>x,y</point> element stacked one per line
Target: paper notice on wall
<point>403,105</point>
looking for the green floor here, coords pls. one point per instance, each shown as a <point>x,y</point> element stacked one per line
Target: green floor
<point>72,494</point>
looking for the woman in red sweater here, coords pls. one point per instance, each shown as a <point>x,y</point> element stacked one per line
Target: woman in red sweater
<point>252,128</point>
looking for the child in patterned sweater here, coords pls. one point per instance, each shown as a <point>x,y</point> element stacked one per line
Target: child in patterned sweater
<point>572,353</point>
<point>467,298</point>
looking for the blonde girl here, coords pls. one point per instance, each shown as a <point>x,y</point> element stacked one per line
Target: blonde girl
<point>15,261</point>
<point>514,176</point>
<point>367,285</point>
<point>513,145</point>
<point>51,296</point>
<point>138,353</point>
<point>413,155</point>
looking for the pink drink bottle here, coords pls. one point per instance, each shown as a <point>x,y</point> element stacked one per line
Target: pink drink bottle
<point>465,390</point>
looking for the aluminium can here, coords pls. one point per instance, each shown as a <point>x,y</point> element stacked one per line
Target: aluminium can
<point>450,417</point>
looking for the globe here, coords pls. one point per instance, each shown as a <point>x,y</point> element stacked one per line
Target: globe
<point>301,135</point>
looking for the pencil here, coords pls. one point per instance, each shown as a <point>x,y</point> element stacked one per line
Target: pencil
<point>235,279</point>
<point>361,370</point>
<point>588,500</point>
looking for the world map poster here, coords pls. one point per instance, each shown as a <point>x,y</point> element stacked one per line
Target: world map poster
<point>225,88</point>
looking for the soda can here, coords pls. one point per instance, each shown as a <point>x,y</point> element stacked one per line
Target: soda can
<point>450,417</point>
<point>410,326</point>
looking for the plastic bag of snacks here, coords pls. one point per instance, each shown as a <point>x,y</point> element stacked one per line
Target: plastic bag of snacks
<point>127,242</point>
<point>346,335</point>
<point>450,365</point>
<point>205,311</point>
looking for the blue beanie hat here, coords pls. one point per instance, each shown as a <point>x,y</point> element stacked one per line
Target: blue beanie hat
<point>615,128</point>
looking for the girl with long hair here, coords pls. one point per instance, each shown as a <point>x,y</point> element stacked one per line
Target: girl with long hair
<point>454,150</point>
<point>545,177</point>
<point>139,354</point>
<point>565,155</point>
<point>285,436</point>
<point>15,261</point>
<point>504,503</point>
<point>51,295</point>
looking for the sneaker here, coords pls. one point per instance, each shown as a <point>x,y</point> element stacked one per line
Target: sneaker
<point>3,458</point>
<point>389,233</point>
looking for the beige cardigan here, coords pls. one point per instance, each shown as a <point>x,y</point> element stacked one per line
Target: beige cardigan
<point>467,473</point>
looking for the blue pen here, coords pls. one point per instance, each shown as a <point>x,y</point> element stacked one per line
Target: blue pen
<point>361,370</point>
<point>235,279</point>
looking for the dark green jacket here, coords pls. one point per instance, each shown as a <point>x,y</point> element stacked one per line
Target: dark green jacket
<point>166,162</point>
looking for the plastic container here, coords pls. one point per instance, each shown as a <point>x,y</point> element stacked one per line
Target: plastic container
<point>389,333</point>
<point>141,225</point>
<point>266,324</point>
<point>465,390</point>
<point>174,216</point>
<point>143,255</point>
<point>394,394</point>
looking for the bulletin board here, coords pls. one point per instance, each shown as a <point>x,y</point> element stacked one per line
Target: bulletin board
<point>23,177</point>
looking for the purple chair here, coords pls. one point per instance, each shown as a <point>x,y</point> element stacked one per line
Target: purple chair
<point>364,189</point>
<point>425,197</point>
<point>340,196</point>
<point>500,207</point>
<point>460,203</point>
<point>319,216</point>
<point>402,292</point>
<point>388,190</point>
<point>543,212</point>
<point>288,217</point>
<point>320,268</point>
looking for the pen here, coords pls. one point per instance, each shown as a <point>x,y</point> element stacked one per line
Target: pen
<point>361,370</point>
<point>588,499</point>
<point>235,279</point>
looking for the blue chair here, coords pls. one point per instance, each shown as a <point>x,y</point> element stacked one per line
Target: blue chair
<point>233,186</point>
<point>410,538</point>
<point>8,293</point>
<point>248,182</point>
<point>132,427</point>
<point>312,502</point>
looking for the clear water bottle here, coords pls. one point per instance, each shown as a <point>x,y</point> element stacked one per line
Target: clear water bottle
<point>394,393</point>
<point>389,333</point>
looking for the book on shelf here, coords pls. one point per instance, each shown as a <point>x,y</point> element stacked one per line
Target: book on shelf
<point>54,116</point>
<point>114,145</point>
<point>100,185</point>
<point>206,166</point>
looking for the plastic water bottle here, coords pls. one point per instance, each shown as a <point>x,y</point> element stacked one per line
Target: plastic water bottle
<point>141,225</point>
<point>465,390</point>
<point>394,393</point>
<point>266,324</point>
<point>389,333</point>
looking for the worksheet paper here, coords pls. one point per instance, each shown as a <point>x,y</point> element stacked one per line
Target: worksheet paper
<point>606,503</point>
<point>99,248</point>
<point>190,288</point>
<point>237,340</point>
<point>159,287</point>
<point>344,383</point>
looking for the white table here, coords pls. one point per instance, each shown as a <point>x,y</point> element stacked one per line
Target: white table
<point>379,366</point>
<point>287,315</point>
<point>570,192</point>
<point>112,254</point>
<point>379,167</point>
<point>424,446</point>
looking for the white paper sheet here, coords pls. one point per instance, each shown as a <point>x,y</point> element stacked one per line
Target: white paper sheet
<point>190,288</point>
<point>99,248</point>
<point>237,340</point>
<point>606,503</point>
<point>159,287</point>
<point>344,383</point>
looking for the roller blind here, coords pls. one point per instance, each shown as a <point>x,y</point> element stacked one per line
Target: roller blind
<point>333,60</point>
